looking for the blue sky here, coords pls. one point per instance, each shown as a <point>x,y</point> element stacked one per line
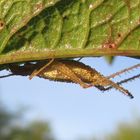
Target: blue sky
<point>74,112</point>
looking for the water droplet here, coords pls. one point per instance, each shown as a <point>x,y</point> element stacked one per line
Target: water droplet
<point>91,6</point>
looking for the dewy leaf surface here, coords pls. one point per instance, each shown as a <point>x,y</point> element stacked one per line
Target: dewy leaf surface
<point>41,29</point>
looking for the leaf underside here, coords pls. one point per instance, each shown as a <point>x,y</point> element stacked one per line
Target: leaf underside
<point>42,29</point>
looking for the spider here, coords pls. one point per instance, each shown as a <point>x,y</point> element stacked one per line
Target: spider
<point>66,70</point>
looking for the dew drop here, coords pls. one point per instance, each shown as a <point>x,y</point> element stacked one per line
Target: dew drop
<point>91,6</point>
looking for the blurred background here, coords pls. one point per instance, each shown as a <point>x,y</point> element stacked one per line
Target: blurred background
<point>40,109</point>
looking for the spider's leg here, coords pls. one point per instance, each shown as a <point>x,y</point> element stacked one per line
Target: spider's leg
<point>102,88</point>
<point>79,59</point>
<point>37,72</point>
<point>8,75</point>
<point>123,71</point>
<point>114,85</point>
<point>121,82</point>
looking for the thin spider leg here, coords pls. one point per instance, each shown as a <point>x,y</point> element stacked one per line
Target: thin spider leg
<point>124,91</point>
<point>116,86</point>
<point>123,71</point>
<point>79,59</point>
<point>37,72</point>
<point>120,82</point>
<point>8,75</point>
<point>102,88</point>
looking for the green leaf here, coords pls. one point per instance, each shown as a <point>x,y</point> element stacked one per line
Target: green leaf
<point>41,29</point>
